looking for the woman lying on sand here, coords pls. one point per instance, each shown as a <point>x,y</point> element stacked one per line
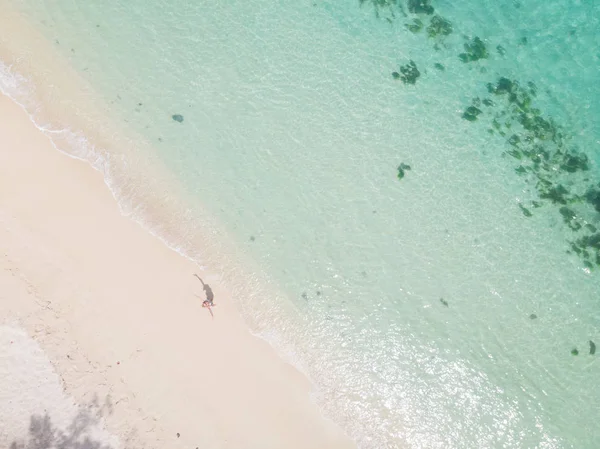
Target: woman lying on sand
<point>209,301</point>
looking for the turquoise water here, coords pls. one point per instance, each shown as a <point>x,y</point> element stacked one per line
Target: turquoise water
<point>434,311</point>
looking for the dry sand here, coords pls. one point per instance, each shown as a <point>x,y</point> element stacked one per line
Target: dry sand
<point>115,316</point>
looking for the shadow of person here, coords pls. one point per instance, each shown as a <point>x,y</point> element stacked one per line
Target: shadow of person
<point>209,293</point>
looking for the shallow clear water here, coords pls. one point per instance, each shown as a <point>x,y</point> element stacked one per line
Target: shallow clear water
<point>409,302</point>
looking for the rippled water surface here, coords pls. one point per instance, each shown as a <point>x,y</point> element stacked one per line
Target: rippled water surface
<point>431,226</point>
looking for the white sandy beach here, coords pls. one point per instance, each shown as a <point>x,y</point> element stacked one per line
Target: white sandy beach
<point>117,315</point>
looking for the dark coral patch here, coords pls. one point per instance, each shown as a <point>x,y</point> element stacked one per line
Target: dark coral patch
<point>402,170</point>
<point>474,51</point>
<point>525,211</point>
<point>574,162</point>
<point>503,86</point>
<point>592,196</point>
<point>570,218</point>
<point>386,7</point>
<point>415,26</point>
<point>471,113</point>
<point>439,27</point>
<point>420,7</point>
<point>409,73</point>
<point>540,146</point>
<point>556,194</point>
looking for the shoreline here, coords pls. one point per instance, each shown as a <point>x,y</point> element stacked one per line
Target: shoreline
<point>109,303</point>
<point>83,125</point>
<point>389,358</point>
<point>39,108</point>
